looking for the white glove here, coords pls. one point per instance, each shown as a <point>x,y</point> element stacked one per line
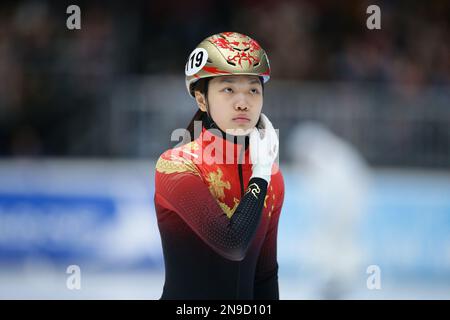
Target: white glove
<point>263,149</point>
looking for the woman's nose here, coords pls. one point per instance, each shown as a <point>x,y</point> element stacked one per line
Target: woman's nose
<point>241,104</point>
<point>241,107</point>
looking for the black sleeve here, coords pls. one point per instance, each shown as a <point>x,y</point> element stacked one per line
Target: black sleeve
<point>187,195</point>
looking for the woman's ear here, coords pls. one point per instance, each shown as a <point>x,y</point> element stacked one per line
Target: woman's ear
<point>201,101</point>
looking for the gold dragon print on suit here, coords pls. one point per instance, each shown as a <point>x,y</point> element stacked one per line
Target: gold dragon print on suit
<point>229,211</point>
<point>217,188</point>
<point>273,199</point>
<point>176,164</point>
<point>216,185</point>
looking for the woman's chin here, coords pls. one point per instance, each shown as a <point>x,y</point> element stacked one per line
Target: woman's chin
<point>240,131</point>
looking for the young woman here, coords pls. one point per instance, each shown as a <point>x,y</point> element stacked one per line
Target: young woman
<point>218,198</point>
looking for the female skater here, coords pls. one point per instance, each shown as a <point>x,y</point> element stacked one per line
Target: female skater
<point>218,198</point>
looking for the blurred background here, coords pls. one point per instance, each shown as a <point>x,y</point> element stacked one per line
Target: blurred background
<point>363,117</point>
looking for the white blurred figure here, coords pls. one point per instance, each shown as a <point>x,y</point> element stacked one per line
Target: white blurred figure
<point>336,178</point>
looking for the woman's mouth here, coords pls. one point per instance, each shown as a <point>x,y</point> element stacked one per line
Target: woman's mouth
<point>241,119</point>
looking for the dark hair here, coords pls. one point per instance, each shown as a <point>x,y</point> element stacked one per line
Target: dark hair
<point>202,86</point>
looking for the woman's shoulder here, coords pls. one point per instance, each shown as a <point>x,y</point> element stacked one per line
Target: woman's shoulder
<point>179,159</point>
<point>188,151</point>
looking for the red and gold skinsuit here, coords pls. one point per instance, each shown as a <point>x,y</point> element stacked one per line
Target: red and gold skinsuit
<point>215,247</point>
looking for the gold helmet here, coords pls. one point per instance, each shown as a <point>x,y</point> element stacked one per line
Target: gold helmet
<point>226,53</point>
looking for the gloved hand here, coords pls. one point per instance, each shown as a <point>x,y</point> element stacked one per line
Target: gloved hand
<point>263,149</point>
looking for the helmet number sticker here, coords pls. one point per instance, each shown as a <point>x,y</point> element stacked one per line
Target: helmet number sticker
<point>196,61</point>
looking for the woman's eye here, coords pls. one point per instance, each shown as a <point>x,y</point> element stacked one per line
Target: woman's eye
<point>254,91</point>
<point>228,90</point>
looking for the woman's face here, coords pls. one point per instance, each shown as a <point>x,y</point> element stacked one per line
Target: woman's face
<point>235,102</point>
